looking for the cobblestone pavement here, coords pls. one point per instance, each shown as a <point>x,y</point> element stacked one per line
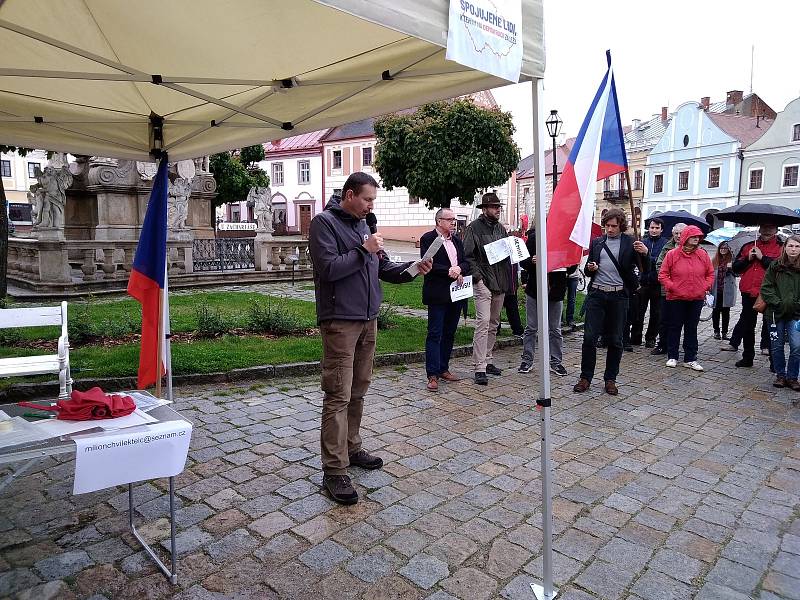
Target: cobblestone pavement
<point>686,485</point>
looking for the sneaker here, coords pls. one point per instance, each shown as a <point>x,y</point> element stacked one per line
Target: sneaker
<point>779,382</point>
<point>492,370</point>
<point>433,383</point>
<point>559,370</point>
<point>658,350</point>
<point>717,336</point>
<point>744,363</point>
<point>481,379</point>
<point>581,386</point>
<point>519,334</point>
<point>693,365</point>
<point>611,388</point>
<point>650,344</point>
<point>340,489</point>
<point>672,363</point>
<point>365,460</point>
<point>525,367</point>
<point>765,351</point>
<point>728,348</point>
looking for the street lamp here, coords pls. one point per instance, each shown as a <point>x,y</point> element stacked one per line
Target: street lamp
<point>553,124</point>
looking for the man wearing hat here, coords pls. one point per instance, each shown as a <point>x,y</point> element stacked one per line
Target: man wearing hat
<point>491,283</point>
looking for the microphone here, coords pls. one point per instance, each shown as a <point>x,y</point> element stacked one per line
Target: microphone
<point>372,222</point>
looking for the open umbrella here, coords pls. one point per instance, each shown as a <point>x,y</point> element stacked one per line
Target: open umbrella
<point>671,217</point>
<point>745,236</point>
<point>754,213</point>
<point>723,234</point>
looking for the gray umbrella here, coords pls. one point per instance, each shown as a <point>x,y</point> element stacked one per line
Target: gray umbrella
<point>754,213</point>
<point>737,242</point>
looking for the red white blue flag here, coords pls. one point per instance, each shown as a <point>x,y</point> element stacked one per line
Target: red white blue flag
<point>599,152</point>
<point>148,279</point>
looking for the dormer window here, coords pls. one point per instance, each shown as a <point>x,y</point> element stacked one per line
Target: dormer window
<point>796,132</point>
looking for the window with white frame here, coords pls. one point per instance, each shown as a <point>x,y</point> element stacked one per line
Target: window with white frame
<point>713,177</point>
<point>796,132</point>
<point>683,180</point>
<point>33,168</point>
<point>607,184</point>
<point>304,171</point>
<point>621,182</point>
<point>658,183</point>
<point>5,168</point>
<point>637,179</point>
<point>277,173</point>
<point>236,213</point>
<point>790,175</point>
<point>756,179</point>
<point>413,200</point>
<point>366,156</point>
<point>337,160</point>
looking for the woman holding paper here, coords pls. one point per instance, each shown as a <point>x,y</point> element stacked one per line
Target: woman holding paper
<point>449,266</point>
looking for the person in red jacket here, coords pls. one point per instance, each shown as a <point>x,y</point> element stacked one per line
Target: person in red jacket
<point>687,275</point>
<point>751,265</point>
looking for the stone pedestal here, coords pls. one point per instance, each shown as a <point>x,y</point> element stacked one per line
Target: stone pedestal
<point>262,247</point>
<point>53,262</point>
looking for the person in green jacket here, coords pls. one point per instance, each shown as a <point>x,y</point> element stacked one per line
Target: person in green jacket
<point>781,291</point>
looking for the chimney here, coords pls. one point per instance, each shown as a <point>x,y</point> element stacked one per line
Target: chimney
<point>664,114</point>
<point>705,102</point>
<point>636,123</point>
<point>734,97</point>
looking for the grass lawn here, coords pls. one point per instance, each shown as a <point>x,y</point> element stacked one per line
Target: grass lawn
<point>207,355</point>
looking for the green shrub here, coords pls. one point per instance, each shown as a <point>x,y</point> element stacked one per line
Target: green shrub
<point>266,317</point>
<point>210,322</point>
<point>118,327</point>
<point>79,324</point>
<point>387,316</point>
<point>9,337</point>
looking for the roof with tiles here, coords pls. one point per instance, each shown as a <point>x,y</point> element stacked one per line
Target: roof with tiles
<point>745,129</point>
<point>295,143</point>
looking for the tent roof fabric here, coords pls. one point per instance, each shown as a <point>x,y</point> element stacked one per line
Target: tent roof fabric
<point>85,76</point>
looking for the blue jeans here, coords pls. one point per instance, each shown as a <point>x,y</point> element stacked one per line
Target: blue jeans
<point>606,315</point>
<point>683,314</point>
<point>784,328</point>
<point>572,293</point>
<point>442,325</point>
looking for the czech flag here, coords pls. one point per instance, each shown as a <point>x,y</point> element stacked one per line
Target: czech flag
<point>148,279</point>
<point>599,152</point>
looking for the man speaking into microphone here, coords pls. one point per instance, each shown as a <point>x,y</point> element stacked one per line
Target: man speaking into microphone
<point>348,261</point>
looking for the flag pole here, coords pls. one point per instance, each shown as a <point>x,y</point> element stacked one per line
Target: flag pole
<point>160,342</point>
<point>545,591</point>
<point>167,339</point>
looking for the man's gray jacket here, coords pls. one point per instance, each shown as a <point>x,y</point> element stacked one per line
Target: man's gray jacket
<point>496,277</point>
<point>345,274</point>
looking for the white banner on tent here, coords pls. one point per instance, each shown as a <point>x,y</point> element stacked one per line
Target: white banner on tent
<point>487,35</point>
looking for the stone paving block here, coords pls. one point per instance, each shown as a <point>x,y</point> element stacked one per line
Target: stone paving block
<point>458,510</point>
<point>374,564</point>
<point>502,517</point>
<point>747,554</point>
<point>578,545</point>
<point>786,563</point>
<point>605,579</point>
<point>625,554</point>
<point>657,586</point>
<point>681,567</point>
<point>734,575</point>
<point>358,536</point>
<point>109,550</point>
<point>453,549</point>
<point>317,529</point>
<point>506,559</point>
<point>564,568</point>
<point>408,541</point>
<point>308,507</point>
<point>764,541</point>
<point>714,591</point>
<point>297,489</point>
<point>422,501</point>
<point>279,549</point>
<point>188,541</point>
<point>710,531</point>
<point>470,583</point>
<point>63,565</point>
<point>783,585</point>
<point>623,504</point>
<point>16,580</point>
<point>791,543</point>
<point>323,557</point>
<point>396,515</point>
<point>425,571</point>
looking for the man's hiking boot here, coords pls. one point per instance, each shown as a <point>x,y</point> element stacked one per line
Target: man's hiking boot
<point>365,460</point>
<point>340,489</point>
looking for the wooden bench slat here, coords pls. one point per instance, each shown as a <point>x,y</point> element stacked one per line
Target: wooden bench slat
<point>29,365</point>
<point>30,317</point>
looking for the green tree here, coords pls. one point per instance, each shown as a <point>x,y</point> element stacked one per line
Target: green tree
<point>446,150</point>
<point>236,172</point>
<point>4,228</point>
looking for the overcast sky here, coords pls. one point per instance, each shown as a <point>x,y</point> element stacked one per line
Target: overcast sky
<point>664,54</point>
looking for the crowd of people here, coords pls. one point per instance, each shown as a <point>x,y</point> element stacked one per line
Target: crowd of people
<point>672,276</point>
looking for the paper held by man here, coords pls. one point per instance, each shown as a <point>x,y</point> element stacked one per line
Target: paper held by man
<point>413,270</point>
<point>511,247</point>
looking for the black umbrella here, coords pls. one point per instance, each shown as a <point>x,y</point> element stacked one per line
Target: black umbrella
<point>754,213</point>
<point>671,217</point>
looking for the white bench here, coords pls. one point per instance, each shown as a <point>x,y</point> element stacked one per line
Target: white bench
<point>39,365</point>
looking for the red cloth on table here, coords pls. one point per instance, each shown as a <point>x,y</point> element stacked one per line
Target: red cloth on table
<point>90,405</point>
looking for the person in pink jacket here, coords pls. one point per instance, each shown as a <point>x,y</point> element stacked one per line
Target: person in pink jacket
<point>687,275</point>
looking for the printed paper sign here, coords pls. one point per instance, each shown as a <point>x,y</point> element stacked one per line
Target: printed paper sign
<point>486,35</point>
<point>518,249</point>
<point>462,291</point>
<point>497,251</point>
<point>128,455</point>
<point>413,270</point>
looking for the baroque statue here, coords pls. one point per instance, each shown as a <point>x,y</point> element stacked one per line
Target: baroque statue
<point>50,195</point>
<point>262,203</point>
<point>178,203</point>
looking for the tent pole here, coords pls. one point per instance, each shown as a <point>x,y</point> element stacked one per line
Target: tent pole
<point>167,341</point>
<point>544,591</point>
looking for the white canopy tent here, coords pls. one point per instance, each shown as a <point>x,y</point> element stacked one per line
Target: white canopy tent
<point>128,79</point>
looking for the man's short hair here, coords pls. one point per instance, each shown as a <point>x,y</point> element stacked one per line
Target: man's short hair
<point>619,215</point>
<point>356,181</point>
<point>657,221</point>
<point>440,212</point>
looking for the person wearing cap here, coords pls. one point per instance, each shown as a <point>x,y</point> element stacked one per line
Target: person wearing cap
<point>687,276</point>
<point>490,283</point>
<point>611,267</point>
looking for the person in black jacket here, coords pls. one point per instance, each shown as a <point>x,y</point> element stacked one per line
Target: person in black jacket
<point>610,266</point>
<point>556,288</point>
<point>650,292</point>
<point>449,265</point>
